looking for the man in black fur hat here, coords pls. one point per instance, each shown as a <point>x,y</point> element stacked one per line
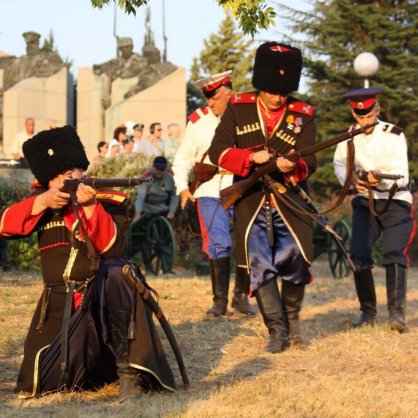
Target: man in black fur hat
<point>272,240</point>
<point>78,337</point>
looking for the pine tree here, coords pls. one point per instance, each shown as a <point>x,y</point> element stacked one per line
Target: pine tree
<point>228,50</point>
<point>49,43</point>
<point>336,32</point>
<point>195,97</point>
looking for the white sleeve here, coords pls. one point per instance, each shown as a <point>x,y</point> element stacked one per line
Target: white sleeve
<point>184,159</point>
<point>398,161</point>
<point>340,161</point>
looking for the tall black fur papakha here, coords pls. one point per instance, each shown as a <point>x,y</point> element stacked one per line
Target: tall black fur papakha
<point>277,73</point>
<point>54,151</point>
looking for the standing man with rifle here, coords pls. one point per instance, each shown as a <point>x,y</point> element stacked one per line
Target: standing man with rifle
<point>383,206</point>
<point>214,221</point>
<point>272,240</point>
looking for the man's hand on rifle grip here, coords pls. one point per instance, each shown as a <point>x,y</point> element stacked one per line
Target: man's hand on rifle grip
<point>284,165</point>
<point>260,157</point>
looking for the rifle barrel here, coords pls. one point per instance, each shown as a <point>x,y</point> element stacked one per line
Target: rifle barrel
<point>71,185</point>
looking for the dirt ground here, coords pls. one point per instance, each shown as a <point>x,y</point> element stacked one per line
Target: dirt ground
<point>370,372</point>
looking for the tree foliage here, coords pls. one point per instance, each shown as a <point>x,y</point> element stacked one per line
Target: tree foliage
<point>336,31</point>
<point>252,15</point>
<point>228,50</point>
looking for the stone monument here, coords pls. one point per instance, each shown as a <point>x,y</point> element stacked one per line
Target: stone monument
<point>36,85</point>
<point>133,87</point>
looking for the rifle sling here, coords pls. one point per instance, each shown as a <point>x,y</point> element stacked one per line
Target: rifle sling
<point>141,288</point>
<point>393,189</point>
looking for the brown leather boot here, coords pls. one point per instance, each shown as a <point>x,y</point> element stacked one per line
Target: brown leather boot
<point>129,377</point>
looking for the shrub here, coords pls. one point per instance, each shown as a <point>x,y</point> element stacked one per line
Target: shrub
<point>23,254</point>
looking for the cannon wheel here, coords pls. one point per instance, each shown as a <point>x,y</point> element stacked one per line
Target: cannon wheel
<point>158,250</point>
<point>337,263</point>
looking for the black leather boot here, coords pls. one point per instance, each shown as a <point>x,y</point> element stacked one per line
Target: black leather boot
<point>219,274</point>
<point>396,296</point>
<point>367,297</point>
<point>240,300</point>
<point>270,305</point>
<point>129,378</point>
<point>292,296</point>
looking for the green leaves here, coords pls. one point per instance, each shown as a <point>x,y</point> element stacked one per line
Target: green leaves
<point>252,15</point>
<point>129,6</point>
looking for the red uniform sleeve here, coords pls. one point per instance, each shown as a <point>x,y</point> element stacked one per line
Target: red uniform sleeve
<point>236,160</point>
<point>100,228</point>
<point>17,219</point>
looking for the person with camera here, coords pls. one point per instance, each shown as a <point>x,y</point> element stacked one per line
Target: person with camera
<point>214,221</point>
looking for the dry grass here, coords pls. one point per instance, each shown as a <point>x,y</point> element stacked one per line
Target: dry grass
<point>372,372</point>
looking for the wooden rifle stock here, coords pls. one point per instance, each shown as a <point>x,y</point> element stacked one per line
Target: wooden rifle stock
<point>70,185</point>
<point>231,194</point>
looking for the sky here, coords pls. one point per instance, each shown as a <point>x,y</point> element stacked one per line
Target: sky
<point>85,35</point>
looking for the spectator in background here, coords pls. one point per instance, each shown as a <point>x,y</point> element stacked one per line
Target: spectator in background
<point>173,141</point>
<point>157,197</point>
<point>21,137</point>
<point>102,148</point>
<point>154,145</point>
<point>128,146</point>
<point>118,136</point>
<point>138,129</point>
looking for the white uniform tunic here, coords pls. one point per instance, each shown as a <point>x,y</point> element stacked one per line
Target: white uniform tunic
<point>197,138</point>
<point>385,149</point>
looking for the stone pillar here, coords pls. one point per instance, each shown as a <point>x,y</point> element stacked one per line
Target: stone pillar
<point>164,101</point>
<point>50,101</point>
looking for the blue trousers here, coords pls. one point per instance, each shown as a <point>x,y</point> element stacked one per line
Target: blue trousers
<point>215,227</point>
<point>282,259</point>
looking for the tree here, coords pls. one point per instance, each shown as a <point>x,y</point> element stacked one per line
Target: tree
<point>49,43</point>
<point>195,97</point>
<point>252,15</point>
<point>228,50</point>
<point>336,32</point>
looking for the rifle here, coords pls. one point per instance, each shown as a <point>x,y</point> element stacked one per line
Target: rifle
<point>362,175</point>
<point>70,185</point>
<point>301,201</point>
<point>232,193</point>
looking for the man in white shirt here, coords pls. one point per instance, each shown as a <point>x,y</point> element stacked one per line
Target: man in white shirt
<point>381,149</point>
<point>21,137</point>
<point>214,221</point>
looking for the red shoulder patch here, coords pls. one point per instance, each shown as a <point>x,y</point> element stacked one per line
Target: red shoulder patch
<point>198,113</point>
<point>301,107</point>
<point>243,98</point>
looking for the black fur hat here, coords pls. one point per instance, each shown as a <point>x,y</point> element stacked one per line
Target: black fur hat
<point>54,151</point>
<point>277,68</point>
